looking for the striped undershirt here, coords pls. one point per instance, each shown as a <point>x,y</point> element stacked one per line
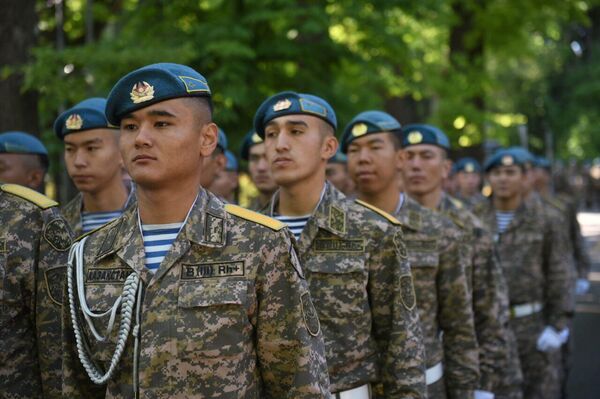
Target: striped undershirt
<point>503,219</point>
<point>158,239</point>
<point>295,223</point>
<point>93,220</point>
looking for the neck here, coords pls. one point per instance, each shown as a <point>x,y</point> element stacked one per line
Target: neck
<point>166,205</point>
<point>507,204</point>
<point>110,198</point>
<point>302,197</point>
<point>264,197</point>
<point>429,200</point>
<point>386,200</point>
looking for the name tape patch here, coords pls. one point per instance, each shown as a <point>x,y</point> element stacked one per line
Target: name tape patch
<point>336,245</point>
<point>107,276</point>
<point>212,270</point>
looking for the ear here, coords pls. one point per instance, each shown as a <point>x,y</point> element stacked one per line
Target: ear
<point>399,159</point>
<point>329,148</point>
<point>208,139</point>
<point>446,167</point>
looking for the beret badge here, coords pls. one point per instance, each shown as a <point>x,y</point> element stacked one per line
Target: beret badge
<point>74,122</point>
<point>507,160</point>
<point>282,105</point>
<point>141,92</point>
<point>469,168</point>
<point>414,137</point>
<point>359,129</point>
<point>256,138</point>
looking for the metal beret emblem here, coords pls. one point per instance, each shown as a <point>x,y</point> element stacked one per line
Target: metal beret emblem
<point>414,137</point>
<point>507,160</point>
<point>359,129</point>
<point>74,122</point>
<point>282,105</point>
<point>256,138</point>
<point>141,91</point>
<point>470,168</point>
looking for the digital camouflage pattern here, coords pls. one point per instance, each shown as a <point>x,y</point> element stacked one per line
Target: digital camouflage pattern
<point>498,360</point>
<point>443,298</point>
<point>581,256</point>
<point>227,315</point>
<point>535,263</point>
<point>472,201</point>
<point>356,265</point>
<point>34,245</point>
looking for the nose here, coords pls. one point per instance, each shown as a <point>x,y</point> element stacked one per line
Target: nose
<point>143,137</point>
<point>80,159</point>
<point>262,164</point>
<point>282,142</point>
<point>364,155</point>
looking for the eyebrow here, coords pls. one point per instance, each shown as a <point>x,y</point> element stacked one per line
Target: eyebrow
<point>154,112</point>
<point>96,140</point>
<point>296,123</point>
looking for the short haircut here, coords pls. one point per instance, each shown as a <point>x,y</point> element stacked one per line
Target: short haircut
<point>326,129</point>
<point>395,139</point>
<point>203,108</point>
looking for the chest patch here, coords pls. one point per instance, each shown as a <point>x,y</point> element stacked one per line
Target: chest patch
<point>107,276</point>
<point>212,270</point>
<point>336,245</point>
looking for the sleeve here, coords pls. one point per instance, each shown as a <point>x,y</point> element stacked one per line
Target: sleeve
<point>456,320</point>
<point>582,258</point>
<point>396,325</point>
<point>290,346</point>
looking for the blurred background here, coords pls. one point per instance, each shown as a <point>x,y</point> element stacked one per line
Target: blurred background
<point>489,72</point>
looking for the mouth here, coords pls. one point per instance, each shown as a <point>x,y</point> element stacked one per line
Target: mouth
<point>81,177</point>
<point>281,161</point>
<point>142,158</point>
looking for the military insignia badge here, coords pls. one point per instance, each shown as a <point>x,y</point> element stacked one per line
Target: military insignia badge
<point>400,246</point>
<point>469,168</point>
<point>507,160</point>
<point>74,122</point>
<point>57,234</point>
<point>414,137</point>
<point>54,279</point>
<point>256,138</point>
<point>141,92</point>
<point>282,105</point>
<point>337,219</point>
<point>407,292</point>
<point>359,129</point>
<point>311,319</point>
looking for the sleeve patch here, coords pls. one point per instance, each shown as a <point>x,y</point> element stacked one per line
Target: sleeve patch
<point>311,319</point>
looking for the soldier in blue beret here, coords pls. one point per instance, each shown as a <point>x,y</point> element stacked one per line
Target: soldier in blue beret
<point>253,151</point>
<point>226,182</point>
<point>212,298</point>
<point>23,160</point>
<point>353,256</point>
<point>94,163</point>
<point>336,172</point>
<point>467,174</point>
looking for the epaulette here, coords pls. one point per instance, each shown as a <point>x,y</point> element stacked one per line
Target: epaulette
<point>555,203</point>
<point>455,219</point>
<point>30,195</point>
<point>381,212</point>
<point>247,214</point>
<point>457,203</point>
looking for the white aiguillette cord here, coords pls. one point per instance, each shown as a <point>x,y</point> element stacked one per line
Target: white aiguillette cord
<point>132,293</point>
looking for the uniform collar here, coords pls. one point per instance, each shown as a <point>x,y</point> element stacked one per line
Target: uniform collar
<point>410,214</point>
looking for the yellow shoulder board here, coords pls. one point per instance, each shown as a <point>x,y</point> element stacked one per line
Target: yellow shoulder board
<point>254,217</point>
<point>30,195</point>
<point>456,220</point>
<point>556,203</point>
<point>457,203</point>
<point>381,212</point>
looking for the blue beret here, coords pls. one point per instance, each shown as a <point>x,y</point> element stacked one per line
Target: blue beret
<point>543,163</point>
<point>291,103</point>
<point>87,115</point>
<point>366,123</point>
<point>250,140</point>
<point>222,140</point>
<point>232,163</point>
<point>525,156</point>
<point>21,143</point>
<point>339,157</point>
<point>467,164</point>
<point>504,157</point>
<point>152,84</point>
<point>424,134</point>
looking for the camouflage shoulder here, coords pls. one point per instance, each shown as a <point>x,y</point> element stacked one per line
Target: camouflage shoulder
<point>556,203</point>
<point>380,212</point>
<point>456,219</point>
<point>30,195</point>
<point>255,217</point>
<point>457,203</point>
<point>98,229</point>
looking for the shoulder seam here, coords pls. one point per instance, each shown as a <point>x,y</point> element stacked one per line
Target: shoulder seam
<point>30,195</point>
<point>380,212</point>
<point>255,217</point>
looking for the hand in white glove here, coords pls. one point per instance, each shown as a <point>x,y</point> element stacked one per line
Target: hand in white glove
<point>582,286</point>
<point>564,335</point>
<point>483,394</point>
<point>549,340</point>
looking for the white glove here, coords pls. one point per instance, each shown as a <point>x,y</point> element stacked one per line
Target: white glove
<point>549,340</point>
<point>484,394</point>
<point>564,335</point>
<point>582,286</point>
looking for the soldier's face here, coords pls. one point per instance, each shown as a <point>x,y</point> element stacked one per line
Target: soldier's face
<point>468,182</point>
<point>424,168</point>
<point>337,174</point>
<point>93,159</point>
<point>507,181</point>
<point>224,184</point>
<point>298,148</point>
<point>211,167</point>
<point>20,169</point>
<point>259,169</point>
<point>163,144</point>
<point>373,163</point>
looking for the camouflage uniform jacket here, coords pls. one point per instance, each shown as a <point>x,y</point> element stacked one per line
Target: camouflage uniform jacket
<point>534,260</point>
<point>72,211</point>
<point>34,243</point>
<point>227,314</point>
<point>490,295</point>
<point>472,201</point>
<point>359,278</point>
<point>443,296</point>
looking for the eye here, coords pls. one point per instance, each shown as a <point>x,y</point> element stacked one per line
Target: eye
<point>270,133</point>
<point>160,124</point>
<point>129,126</point>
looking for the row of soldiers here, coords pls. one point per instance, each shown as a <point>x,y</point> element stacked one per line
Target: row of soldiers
<point>158,288</point>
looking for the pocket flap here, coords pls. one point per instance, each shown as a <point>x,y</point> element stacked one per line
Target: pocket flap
<point>202,293</point>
